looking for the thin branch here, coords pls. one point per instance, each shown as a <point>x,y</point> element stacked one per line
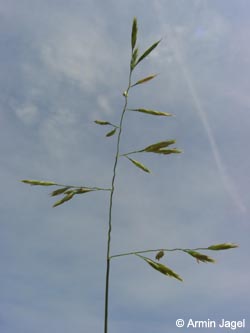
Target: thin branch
<point>84,186</point>
<point>157,250</point>
<point>133,152</point>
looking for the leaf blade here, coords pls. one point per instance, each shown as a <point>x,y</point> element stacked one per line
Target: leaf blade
<point>168,151</point>
<point>59,191</point>
<point>134,58</point>
<point>102,122</point>
<point>139,165</point>
<point>162,268</point>
<point>145,79</point>
<point>148,51</point>
<point>159,145</point>
<point>200,256</point>
<point>223,246</point>
<point>134,33</point>
<point>67,197</point>
<point>38,182</point>
<point>83,190</point>
<point>111,133</point>
<point>152,112</point>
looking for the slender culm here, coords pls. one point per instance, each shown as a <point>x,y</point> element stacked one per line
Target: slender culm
<point>111,206</point>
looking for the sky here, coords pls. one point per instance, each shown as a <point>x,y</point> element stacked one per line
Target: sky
<point>65,64</point>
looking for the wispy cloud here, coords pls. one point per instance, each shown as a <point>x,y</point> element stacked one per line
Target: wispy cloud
<point>85,58</point>
<point>28,114</point>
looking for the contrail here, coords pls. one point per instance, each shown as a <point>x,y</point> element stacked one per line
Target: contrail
<point>229,186</point>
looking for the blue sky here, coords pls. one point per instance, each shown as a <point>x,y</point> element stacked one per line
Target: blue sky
<point>65,64</point>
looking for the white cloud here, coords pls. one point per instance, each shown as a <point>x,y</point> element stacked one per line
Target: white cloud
<point>104,104</point>
<point>86,58</point>
<point>28,114</point>
<point>58,132</point>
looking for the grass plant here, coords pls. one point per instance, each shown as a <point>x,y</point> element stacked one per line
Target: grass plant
<point>166,147</point>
